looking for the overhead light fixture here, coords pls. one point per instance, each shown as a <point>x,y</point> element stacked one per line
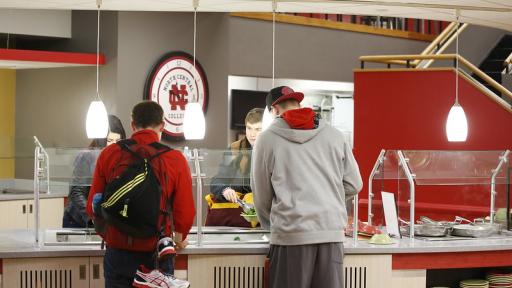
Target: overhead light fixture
<point>267,119</point>
<point>194,123</point>
<point>96,123</point>
<point>267,116</point>
<point>457,123</point>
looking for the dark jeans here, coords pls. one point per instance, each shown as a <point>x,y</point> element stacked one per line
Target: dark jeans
<point>120,266</point>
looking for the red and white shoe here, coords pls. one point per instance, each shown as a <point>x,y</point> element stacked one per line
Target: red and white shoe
<point>144,278</point>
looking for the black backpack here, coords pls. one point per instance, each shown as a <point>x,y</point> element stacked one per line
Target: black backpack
<point>131,202</point>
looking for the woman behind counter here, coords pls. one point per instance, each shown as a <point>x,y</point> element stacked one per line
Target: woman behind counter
<point>84,164</point>
<point>233,179</point>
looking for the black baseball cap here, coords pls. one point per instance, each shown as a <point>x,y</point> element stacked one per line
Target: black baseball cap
<point>281,93</point>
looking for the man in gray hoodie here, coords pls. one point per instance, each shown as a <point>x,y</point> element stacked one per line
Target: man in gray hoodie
<point>302,171</point>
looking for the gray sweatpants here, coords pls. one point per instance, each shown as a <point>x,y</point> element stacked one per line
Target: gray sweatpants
<point>306,266</point>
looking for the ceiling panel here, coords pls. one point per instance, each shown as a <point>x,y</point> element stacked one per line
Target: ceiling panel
<point>493,13</point>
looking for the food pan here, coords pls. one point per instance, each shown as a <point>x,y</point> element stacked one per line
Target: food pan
<point>427,230</point>
<point>475,231</point>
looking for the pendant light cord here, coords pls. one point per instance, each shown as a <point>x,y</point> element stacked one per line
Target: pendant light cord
<point>457,14</point>
<point>196,4</point>
<point>98,3</point>
<point>274,8</point>
<point>8,27</point>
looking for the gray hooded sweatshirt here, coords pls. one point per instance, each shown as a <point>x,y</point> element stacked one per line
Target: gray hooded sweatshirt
<point>300,180</point>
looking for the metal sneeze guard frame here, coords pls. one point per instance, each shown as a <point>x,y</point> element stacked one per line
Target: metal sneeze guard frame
<point>404,166</point>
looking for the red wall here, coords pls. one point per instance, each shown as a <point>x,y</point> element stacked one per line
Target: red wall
<point>408,110</point>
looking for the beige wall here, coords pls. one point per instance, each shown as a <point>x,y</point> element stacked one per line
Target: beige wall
<point>143,37</point>
<point>7,104</point>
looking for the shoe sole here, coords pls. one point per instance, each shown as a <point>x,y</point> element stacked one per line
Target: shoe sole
<point>138,284</point>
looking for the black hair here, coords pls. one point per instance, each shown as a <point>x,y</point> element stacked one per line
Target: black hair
<point>115,126</point>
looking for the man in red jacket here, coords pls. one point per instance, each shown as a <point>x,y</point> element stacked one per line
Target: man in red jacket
<point>124,254</point>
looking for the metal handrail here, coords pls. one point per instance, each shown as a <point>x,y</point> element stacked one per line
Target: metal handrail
<point>410,179</point>
<point>40,155</point>
<point>355,218</point>
<point>199,182</point>
<point>508,64</point>
<point>436,47</point>
<point>444,44</point>
<point>378,163</point>
<point>391,59</point>
<point>503,159</point>
<point>442,36</point>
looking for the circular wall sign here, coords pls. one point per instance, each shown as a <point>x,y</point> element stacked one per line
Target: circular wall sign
<point>172,83</point>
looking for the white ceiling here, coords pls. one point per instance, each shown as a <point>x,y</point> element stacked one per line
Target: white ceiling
<point>493,13</point>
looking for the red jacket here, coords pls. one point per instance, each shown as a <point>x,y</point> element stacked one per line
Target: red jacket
<point>173,173</point>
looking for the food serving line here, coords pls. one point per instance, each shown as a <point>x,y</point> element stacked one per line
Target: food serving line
<point>221,256</point>
<point>404,261</point>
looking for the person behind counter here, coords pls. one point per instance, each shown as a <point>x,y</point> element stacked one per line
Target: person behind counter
<point>304,172</point>
<point>75,215</point>
<point>233,179</point>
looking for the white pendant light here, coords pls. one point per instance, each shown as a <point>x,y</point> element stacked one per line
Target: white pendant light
<point>457,123</point>
<point>96,123</point>
<point>97,120</point>
<point>267,119</point>
<point>194,123</point>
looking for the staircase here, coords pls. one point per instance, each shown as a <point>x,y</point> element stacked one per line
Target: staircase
<point>493,63</point>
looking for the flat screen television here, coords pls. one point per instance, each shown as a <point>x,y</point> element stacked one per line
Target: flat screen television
<point>242,101</point>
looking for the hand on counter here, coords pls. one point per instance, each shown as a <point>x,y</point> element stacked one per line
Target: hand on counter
<point>179,242</point>
<point>181,245</point>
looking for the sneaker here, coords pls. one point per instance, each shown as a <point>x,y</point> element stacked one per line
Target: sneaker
<point>165,247</point>
<point>144,278</point>
<point>178,282</point>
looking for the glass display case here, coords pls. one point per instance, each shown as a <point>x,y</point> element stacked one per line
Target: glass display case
<point>224,169</point>
<point>16,153</point>
<point>56,170</point>
<point>442,185</point>
<point>215,171</point>
<point>23,181</point>
<point>218,221</point>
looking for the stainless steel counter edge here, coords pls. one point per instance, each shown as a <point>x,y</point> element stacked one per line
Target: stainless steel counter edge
<point>14,196</point>
<point>17,246</point>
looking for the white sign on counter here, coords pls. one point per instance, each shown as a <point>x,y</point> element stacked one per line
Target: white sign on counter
<point>390,214</point>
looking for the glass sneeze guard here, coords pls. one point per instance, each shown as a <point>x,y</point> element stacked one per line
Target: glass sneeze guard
<point>211,170</point>
<point>215,170</point>
<point>407,169</point>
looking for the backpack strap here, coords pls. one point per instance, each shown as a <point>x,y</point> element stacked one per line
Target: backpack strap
<point>125,145</point>
<point>159,146</point>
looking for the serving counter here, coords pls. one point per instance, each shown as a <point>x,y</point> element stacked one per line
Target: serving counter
<point>402,264</point>
<point>231,258</point>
